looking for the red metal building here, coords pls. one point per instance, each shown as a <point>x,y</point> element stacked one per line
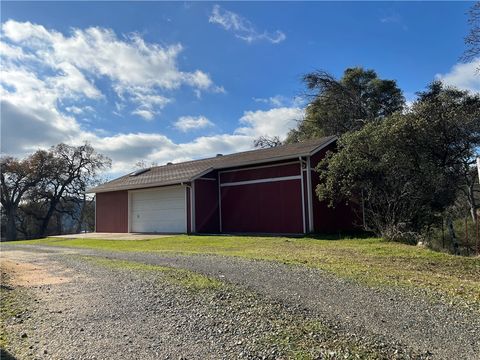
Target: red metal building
<point>259,191</point>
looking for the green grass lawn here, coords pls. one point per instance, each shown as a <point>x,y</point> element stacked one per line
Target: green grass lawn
<point>370,261</point>
<point>188,279</point>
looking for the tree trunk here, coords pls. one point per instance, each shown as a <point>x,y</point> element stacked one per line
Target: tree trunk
<point>78,228</point>
<point>59,224</point>
<point>11,227</point>
<point>46,220</point>
<point>471,200</point>
<point>451,230</point>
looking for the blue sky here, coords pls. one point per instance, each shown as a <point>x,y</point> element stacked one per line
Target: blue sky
<point>175,81</point>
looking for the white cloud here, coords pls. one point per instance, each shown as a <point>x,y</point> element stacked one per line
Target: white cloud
<point>242,27</point>
<point>465,76</point>
<point>146,114</point>
<point>71,81</point>
<point>25,129</point>
<point>395,19</point>
<point>13,52</point>
<point>203,146</point>
<point>44,127</point>
<point>139,72</point>
<point>282,101</point>
<point>276,101</point>
<point>79,110</point>
<point>47,78</point>
<point>219,90</point>
<point>32,106</point>
<point>390,19</point>
<point>274,122</point>
<point>148,103</point>
<point>187,123</point>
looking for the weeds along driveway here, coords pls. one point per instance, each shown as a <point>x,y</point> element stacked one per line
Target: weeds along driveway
<point>266,309</point>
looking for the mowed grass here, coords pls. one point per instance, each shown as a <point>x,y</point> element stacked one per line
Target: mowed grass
<point>369,261</point>
<point>188,279</point>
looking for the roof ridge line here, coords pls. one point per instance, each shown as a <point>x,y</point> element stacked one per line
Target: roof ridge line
<point>247,151</point>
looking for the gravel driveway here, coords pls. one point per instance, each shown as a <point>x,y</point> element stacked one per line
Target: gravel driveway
<point>265,310</point>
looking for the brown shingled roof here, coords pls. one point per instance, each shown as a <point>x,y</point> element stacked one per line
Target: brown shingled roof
<point>190,170</point>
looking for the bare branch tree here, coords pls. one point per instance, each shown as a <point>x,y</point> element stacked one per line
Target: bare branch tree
<point>266,141</point>
<point>75,169</point>
<point>143,164</point>
<point>472,40</point>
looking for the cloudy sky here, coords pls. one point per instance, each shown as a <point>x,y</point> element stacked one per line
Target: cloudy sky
<point>175,81</point>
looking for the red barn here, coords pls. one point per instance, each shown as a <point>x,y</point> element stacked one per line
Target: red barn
<point>259,191</point>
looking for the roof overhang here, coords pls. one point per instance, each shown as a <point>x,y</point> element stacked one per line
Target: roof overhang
<point>138,186</point>
<point>204,172</point>
<point>273,159</point>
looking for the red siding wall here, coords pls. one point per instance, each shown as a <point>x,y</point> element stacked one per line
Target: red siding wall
<point>274,207</point>
<point>326,219</point>
<point>260,173</point>
<point>270,207</point>
<point>112,212</point>
<point>206,206</point>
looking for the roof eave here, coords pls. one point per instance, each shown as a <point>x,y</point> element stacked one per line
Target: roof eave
<point>280,158</point>
<point>202,173</point>
<point>139,186</point>
<point>323,146</point>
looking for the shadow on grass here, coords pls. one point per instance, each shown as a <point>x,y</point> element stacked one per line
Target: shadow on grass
<point>340,236</point>
<point>314,236</point>
<point>5,355</point>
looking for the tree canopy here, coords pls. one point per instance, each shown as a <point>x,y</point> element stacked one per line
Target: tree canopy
<point>17,177</point>
<point>45,183</point>
<point>409,167</point>
<point>347,104</point>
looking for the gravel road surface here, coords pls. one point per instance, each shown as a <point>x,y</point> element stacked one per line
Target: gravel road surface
<point>266,310</point>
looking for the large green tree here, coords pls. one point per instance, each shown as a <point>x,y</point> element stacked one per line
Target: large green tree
<point>75,169</point>
<point>46,184</point>
<point>409,167</point>
<point>451,120</point>
<point>17,177</point>
<point>339,106</point>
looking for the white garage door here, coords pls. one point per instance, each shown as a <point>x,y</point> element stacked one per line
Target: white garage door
<point>159,210</point>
